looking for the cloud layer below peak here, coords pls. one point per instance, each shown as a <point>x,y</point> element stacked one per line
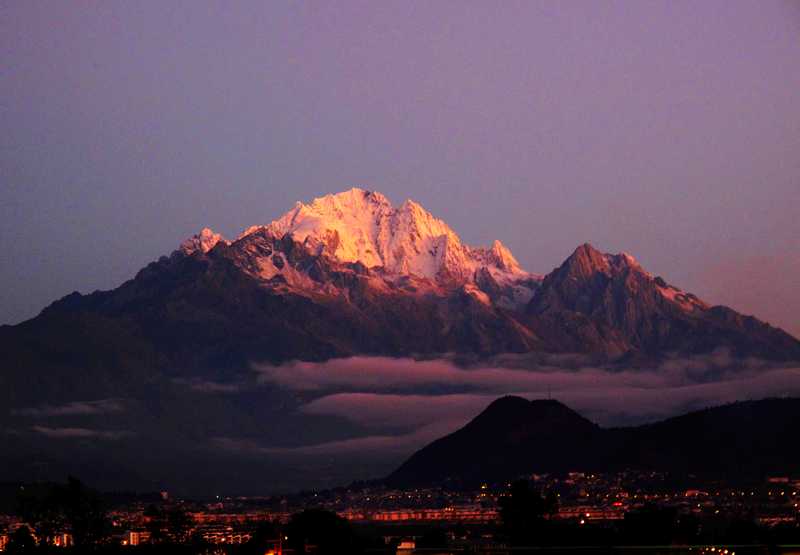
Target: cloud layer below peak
<point>409,402</point>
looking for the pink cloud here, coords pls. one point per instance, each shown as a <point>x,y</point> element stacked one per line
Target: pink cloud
<point>381,411</point>
<point>80,433</point>
<point>378,444</point>
<point>383,373</point>
<point>383,394</point>
<point>605,403</point>
<point>101,406</point>
<point>398,375</point>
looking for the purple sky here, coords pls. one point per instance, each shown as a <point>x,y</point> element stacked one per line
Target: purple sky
<point>667,129</point>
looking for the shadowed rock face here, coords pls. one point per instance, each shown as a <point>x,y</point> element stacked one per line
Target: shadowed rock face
<point>514,437</point>
<point>596,302</point>
<point>217,312</point>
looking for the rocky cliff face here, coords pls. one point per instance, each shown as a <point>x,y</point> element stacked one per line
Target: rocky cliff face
<point>610,304</point>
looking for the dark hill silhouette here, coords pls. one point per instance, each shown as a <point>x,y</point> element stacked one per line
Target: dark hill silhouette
<point>502,441</point>
<point>513,436</point>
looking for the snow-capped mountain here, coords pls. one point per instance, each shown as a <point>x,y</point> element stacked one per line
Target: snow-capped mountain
<point>359,226</point>
<point>361,229</point>
<point>201,242</point>
<point>413,286</point>
<point>358,231</point>
<point>179,346</point>
<point>351,274</point>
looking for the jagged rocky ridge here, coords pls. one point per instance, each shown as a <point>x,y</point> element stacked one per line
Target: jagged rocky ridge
<point>351,274</point>
<point>377,262</point>
<point>360,232</point>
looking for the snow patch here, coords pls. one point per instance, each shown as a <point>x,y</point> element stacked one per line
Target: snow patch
<point>685,301</point>
<point>202,242</point>
<point>363,226</point>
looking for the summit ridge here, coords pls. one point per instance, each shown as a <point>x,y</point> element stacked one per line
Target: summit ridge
<point>360,226</point>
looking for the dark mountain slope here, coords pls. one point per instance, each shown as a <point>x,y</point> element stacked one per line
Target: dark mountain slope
<point>512,437</point>
<point>502,441</point>
<point>608,303</point>
<point>205,314</point>
<point>745,440</point>
<point>201,316</point>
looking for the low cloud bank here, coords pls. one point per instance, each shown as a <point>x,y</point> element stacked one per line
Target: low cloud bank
<point>397,445</point>
<point>200,385</point>
<point>80,433</point>
<point>383,374</point>
<point>101,406</point>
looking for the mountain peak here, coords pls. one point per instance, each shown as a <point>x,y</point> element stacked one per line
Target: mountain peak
<point>507,403</point>
<point>508,425</point>
<point>602,292</point>
<point>201,242</point>
<point>502,257</point>
<point>513,406</point>
<point>354,198</point>
<point>357,248</point>
<point>585,261</point>
<point>360,226</point>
